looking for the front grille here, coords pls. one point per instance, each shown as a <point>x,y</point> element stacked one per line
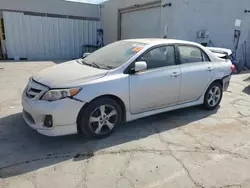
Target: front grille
<point>35,89</point>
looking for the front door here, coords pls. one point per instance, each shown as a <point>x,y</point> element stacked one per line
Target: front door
<point>197,73</point>
<point>159,85</point>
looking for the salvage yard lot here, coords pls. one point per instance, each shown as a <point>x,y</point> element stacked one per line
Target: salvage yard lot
<point>185,148</point>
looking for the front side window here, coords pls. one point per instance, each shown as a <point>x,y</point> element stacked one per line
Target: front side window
<point>114,55</point>
<point>159,57</point>
<point>191,54</point>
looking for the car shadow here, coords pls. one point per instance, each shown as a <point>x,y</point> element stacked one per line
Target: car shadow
<point>246,90</point>
<point>23,150</point>
<point>247,79</point>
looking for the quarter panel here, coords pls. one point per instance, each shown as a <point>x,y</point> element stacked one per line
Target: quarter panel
<point>222,69</point>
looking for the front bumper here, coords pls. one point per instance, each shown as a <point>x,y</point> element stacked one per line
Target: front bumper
<point>64,113</point>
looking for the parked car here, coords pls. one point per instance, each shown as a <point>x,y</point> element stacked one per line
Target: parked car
<point>227,54</point>
<point>122,82</point>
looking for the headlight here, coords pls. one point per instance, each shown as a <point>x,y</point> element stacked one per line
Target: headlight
<point>56,94</point>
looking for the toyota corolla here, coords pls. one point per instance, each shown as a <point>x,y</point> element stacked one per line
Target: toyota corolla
<point>122,82</point>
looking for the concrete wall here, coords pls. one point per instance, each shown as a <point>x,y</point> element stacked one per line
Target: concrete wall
<point>185,17</point>
<point>52,6</point>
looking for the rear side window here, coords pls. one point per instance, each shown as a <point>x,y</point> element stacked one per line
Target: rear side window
<point>191,54</point>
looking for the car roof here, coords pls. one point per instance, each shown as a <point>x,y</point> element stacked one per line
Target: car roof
<point>155,41</point>
<point>159,41</point>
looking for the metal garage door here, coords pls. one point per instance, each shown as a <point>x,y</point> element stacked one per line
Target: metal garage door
<point>40,37</point>
<point>142,23</point>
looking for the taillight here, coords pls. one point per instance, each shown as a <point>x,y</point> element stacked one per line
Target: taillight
<point>232,68</point>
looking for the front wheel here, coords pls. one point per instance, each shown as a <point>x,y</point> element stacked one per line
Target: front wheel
<point>100,118</point>
<point>213,96</point>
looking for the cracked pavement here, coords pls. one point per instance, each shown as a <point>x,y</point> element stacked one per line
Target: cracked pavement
<point>185,148</point>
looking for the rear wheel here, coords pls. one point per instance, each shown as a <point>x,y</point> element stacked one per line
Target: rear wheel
<point>213,96</point>
<point>100,118</point>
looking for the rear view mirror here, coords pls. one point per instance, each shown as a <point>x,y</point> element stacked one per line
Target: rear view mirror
<point>85,55</point>
<point>140,66</point>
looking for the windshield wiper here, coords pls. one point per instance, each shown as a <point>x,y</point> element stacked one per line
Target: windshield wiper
<point>81,61</point>
<point>92,64</point>
<point>95,65</point>
<point>109,67</point>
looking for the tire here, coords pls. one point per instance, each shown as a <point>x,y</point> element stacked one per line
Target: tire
<point>97,121</point>
<point>213,96</point>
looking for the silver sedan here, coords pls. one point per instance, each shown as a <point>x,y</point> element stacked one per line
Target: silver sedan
<point>122,82</point>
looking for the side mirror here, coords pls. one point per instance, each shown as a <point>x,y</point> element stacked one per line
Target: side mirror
<point>140,66</point>
<point>85,55</point>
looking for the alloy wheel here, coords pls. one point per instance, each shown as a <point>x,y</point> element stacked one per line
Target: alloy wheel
<point>103,119</point>
<point>214,96</point>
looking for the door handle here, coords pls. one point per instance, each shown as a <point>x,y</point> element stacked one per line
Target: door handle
<point>175,74</point>
<point>209,69</point>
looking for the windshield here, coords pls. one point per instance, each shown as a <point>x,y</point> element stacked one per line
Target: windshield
<point>114,55</point>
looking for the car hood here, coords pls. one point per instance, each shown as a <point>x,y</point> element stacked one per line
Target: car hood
<point>68,74</point>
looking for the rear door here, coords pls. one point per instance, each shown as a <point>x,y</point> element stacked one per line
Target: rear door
<point>197,72</point>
